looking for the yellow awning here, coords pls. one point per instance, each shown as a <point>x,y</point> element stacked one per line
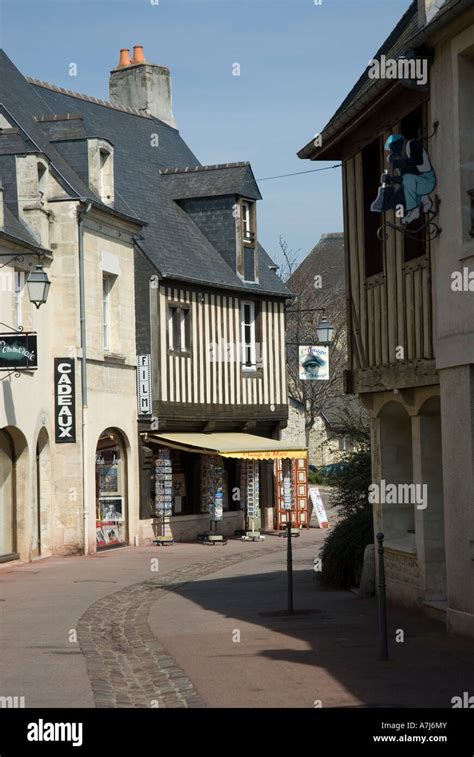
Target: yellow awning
<point>229,444</point>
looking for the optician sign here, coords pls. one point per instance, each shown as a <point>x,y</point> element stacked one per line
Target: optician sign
<point>64,400</point>
<point>18,350</point>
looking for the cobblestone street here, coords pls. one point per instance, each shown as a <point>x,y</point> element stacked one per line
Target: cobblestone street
<point>209,630</point>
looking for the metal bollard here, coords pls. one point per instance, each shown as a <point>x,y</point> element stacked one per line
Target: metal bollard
<point>382,601</point>
<point>289,561</point>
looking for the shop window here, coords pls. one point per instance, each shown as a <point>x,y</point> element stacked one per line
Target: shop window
<point>372,169</point>
<point>179,328</point>
<point>412,127</point>
<point>7,498</point>
<point>110,490</point>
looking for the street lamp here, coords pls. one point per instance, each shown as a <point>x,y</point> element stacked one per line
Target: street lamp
<point>325,331</point>
<point>38,286</point>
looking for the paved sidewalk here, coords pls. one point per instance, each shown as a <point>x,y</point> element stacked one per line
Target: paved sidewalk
<point>226,632</point>
<point>171,638</point>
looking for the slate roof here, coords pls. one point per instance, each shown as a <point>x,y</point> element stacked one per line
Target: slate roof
<point>406,35</point>
<point>14,229</point>
<point>395,44</point>
<point>171,240</point>
<point>327,259</point>
<point>209,181</point>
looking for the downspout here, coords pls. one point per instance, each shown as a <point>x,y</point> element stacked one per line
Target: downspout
<point>82,312</point>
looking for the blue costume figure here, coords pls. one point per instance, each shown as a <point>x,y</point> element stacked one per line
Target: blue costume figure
<point>418,178</point>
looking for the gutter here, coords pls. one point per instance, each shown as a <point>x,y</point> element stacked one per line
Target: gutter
<point>82,310</point>
<point>357,108</point>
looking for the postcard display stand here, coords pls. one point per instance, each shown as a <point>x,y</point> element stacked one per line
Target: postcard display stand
<point>250,487</point>
<point>212,482</point>
<point>163,497</point>
<point>292,493</point>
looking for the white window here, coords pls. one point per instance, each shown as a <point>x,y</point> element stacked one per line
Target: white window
<point>18,298</point>
<point>105,176</point>
<point>248,222</point>
<point>178,329</point>
<point>106,294</point>
<point>247,320</point>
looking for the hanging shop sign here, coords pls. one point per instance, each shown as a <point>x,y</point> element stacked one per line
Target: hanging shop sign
<point>18,350</point>
<point>313,363</point>
<point>64,400</point>
<point>407,188</point>
<point>144,384</point>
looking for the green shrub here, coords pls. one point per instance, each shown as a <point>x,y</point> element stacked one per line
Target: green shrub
<point>351,485</point>
<point>343,551</point>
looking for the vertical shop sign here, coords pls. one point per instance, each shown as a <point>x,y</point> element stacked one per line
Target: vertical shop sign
<point>64,400</point>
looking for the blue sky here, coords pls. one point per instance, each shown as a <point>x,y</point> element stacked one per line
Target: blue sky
<point>297,62</point>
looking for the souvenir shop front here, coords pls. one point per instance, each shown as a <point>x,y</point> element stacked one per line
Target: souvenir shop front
<point>110,478</point>
<point>228,482</point>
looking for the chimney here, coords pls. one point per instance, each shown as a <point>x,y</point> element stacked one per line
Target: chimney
<point>141,85</point>
<point>427,10</point>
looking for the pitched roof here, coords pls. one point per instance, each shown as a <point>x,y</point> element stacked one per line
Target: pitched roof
<point>326,259</point>
<point>210,181</point>
<point>143,145</point>
<point>406,35</point>
<point>394,45</point>
<point>17,232</point>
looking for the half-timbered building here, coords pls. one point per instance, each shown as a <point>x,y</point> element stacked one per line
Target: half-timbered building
<point>409,304</point>
<point>210,308</point>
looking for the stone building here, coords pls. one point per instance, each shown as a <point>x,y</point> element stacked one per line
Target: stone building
<point>68,418</point>
<point>409,307</point>
<point>158,281</point>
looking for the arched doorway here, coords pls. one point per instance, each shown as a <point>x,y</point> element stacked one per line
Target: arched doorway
<point>42,506</point>
<point>111,487</point>
<point>8,536</point>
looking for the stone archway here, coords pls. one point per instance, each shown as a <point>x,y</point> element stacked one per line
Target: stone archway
<point>111,487</point>
<point>15,494</point>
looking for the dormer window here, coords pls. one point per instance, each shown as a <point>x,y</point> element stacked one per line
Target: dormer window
<point>247,264</point>
<point>248,222</point>
<point>42,171</point>
<point>105,175</point>
<point>101,169</point>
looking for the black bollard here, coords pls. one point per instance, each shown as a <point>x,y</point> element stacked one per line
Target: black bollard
<point>289,560</point>
<point>382,602</point>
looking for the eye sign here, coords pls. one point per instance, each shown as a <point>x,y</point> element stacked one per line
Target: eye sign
<point>313,363</point>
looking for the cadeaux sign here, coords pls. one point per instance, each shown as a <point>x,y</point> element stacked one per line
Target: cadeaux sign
<point>64,400</point>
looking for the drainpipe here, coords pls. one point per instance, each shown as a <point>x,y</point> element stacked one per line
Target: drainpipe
<point>82,311</point>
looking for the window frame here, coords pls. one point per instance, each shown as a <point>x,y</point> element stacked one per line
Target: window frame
<point>18,292</point>
<point>251,345</point>
<point>181,328</point>
<point>107,284</point>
